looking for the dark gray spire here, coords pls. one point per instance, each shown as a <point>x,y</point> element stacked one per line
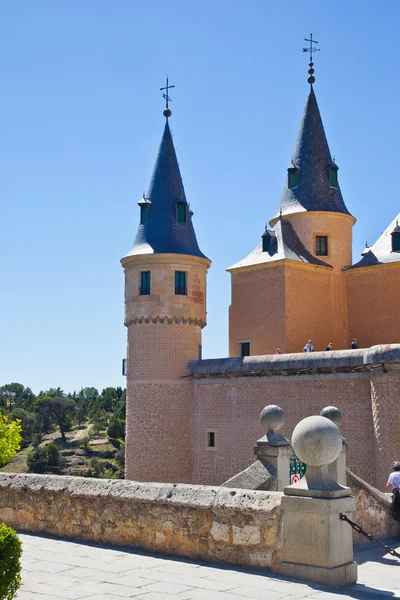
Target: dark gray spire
<point>312,167</point>
<point>162,233</point>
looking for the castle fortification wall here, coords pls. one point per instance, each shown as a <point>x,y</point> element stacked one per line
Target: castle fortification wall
<point>200,522</point>
<point>227,396</point>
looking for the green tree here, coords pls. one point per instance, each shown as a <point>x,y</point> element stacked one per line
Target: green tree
<point>116,428</point>
<point>10,439</point>
<point>61,411</point>
<point>29,424</point>
<point>37,460</point>
<point>53,456</point>
<point>11,395</point>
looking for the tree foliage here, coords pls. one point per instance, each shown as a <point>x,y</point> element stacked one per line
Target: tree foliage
<point>60,410</point>
<point>10,439</point>
<point>10,567</point>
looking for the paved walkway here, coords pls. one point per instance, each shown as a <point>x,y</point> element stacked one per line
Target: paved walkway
<point>54,569</point>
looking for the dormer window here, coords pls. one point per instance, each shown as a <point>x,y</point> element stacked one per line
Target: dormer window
<point>396,238</point>
<point>292,177</point>
<point>145,206</point>
<point>266,240</point>
<point>181,212</point>
<point>333,176</point>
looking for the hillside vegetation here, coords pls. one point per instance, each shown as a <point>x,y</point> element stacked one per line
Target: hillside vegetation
<point>79,434</point>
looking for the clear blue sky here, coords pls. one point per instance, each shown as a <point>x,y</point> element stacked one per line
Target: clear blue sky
<point>81,120</point>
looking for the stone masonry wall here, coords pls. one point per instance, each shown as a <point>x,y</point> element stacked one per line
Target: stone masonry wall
<point>240,527</point>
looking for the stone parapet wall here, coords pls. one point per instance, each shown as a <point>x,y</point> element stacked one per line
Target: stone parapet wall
<point>373,510</point>
<point>239,527</point>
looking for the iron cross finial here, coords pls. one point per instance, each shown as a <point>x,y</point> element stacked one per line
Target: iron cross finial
<point>311,49</point>
<point>167,113</point>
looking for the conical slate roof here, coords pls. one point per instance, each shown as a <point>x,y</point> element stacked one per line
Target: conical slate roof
<point>162,233</point>
<point>312,158</point>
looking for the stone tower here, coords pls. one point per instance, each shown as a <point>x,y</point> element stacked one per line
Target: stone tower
<point>291,288</point>
<point>165,311</point>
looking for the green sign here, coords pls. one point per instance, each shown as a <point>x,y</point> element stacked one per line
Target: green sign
<point>297,470</point>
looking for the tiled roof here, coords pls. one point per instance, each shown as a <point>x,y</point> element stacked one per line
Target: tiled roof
<point>312,158</point>
<point>285,245</point>
<point>162,233</point>
<point>381,252</point>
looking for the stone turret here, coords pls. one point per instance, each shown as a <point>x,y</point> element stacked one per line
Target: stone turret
<point>165,311</point>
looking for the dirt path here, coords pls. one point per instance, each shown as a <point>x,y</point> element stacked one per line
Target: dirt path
<point>82,433</point>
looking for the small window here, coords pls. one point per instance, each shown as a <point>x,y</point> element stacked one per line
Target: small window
<point>144,289</point>
<point>292,177</point>
<point>211,439</point>
<point>200,354</point>
<point>181,212</point>
<point>321,244</point>
<point>180,283</point>
<point>395,242</point>
<point>244,349</point>
<point>124,366</point>
<point>144,213</point>
<point>266,242</point>
<point>333,178</point>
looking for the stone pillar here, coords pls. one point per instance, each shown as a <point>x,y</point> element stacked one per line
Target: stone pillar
<point>273,446</point>
<point>317,545</point>
<point>338,468</point>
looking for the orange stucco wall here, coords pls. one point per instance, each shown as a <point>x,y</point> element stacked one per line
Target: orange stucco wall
<point>283,305</point>
<point>257,311</point>
<point>315,307</point>
<point>373,296</point>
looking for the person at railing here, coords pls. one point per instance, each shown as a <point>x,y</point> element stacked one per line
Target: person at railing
<point>394,484</point>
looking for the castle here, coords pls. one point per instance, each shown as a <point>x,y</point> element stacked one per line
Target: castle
<point>194,420</point>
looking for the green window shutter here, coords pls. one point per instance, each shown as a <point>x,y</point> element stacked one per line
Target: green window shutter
<point>333,177</point>
<point>292,177</point>
<point>180,283</point>
<point>144,213</point>
<point>181,212</point>
<point>144,283</point>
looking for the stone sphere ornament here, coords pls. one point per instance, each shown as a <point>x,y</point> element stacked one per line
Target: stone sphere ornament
<point>272,417</point>
<point>333,414</point>
<point>317,441</point>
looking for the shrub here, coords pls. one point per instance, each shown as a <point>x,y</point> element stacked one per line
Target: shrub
<point>116,429</point>
<point>53,456</point>
<point>37,460</point>
<point>10,567</point>
<point>120,456</point>
<point>45,458</point>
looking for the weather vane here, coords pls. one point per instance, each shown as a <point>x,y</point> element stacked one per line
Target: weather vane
<point>311,49</point>
<point>167,113</point>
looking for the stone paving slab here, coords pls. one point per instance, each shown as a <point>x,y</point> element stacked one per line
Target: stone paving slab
<point>59,569</point>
